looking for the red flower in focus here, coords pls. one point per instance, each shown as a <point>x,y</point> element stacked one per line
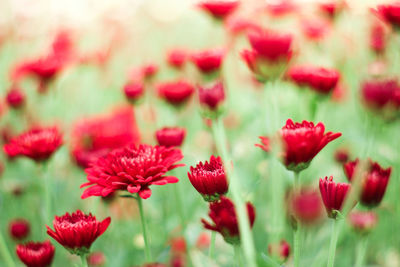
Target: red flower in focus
<point>37,143</point>
<point>390,13</point>
<point>77,231</point>
<point>212,96</point>
<point>19,229</point>
<point>219,8</point>
<point>15,97</point>
<point>132,168</point>
<point>175,92</point>
<point>209,179</point>
<point>280,251</point>
<point>170,136</point>
<point>208,61</point>
<point>96,259</point>
<point>223,215</point>
<point>38,254</point>
<point>177,58</point>
<point>321,80</point>
<point>333,195</point>
<point>363,222</point>
<point>375,180</point>
<point>302,142</point>
<point>95,137</point>
<point>133,91</point>
<point>265,143</point>
<point>306,206</point>
<point>380,94</point>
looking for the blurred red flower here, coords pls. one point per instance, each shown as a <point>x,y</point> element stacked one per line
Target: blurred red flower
<point>134,91</point>
<point>279,251</point>
<point>331,8</point>
<point>363,221</point>
<point>15,97</point>
<point>209,179</point>
<point>342,155</point>
<point>37,143</point>
<point>265,143</point>
<point>381,94</point>
<point>19,229</point>
<point>132,168</point>
<point>96,259</point>
<point>390,13</point>
<point>305,206</point>
<point>77,231</point>
<point>223,215</point>
<point>219,8</point>
<point>177,58</point>
<point>212,96</point>
<point>315,29</point>
<point>209,60</point>
<point>36,254</point>
<point>378,36</point>
<point>175,92</point>
<point>170,136</point>
<point>333,195</point>
<point>281,7</point>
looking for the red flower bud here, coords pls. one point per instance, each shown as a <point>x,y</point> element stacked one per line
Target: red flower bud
<point>279,251</point>
<point>208,61</point>
<point>19,229</point>
<point>212,96</point>
<point>176,58</point>
<point>38,254</point>
<point>170,136</point>
<point>15,97</point>
<point>381,95</point>
<point>333,195</point>
<point>133,91</point>
<point>305,206</point>
<point>363,222</point>
<point>175,92</point>
<point>96,259</point>
<point>342,155</point>
<point>219,8</point>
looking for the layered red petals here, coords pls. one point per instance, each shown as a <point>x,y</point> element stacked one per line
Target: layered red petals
<point>38,254</point>
<point>333,195</point>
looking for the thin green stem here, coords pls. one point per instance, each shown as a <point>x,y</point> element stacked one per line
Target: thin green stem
<point>145,237</point>
<point>178,200</point>
<point>361,250</point>
<point>297,230</point>
<point>43,172</point>
<point>332,246</point>
<point>5,254</point>
<point>84,260</point>
<point>212,245</point>
<point>238,255</point>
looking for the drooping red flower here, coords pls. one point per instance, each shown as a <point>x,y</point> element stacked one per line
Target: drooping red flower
<point>265,143</point>
<point>170,136</point>
<point>175,92</point>
<point>37,143</point>
<point>319,79</point>
<point>177,58</point>
<point>223,215</point>
<point>15,97</point>
<point>77,231</point>
<point>134,91</point>
<point>219,9</point>
<point>96,259</point>
<point>279,251</point>
<point>132,168</point>
<point>390,13</point>
<point>333,195</point>
<point>209,60</point>
<point>94,137</point>
<point>209,179</point>
<point>381,94</point>
<point>302,142</point>
<point>212,96</point>
<point>305,206</point>
<point>363,221</point>
<point>374,181</point>
<point>19,229</point>
<point>36,254</point>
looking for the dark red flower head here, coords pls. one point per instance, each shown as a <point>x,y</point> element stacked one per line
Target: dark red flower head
<point>302,142</point>
<point>134,91</point>
<point>212,96</point>
<point>321,80</point>
<point>132,168</point>
<point>390,13</point>
<point>265,143</point>
<point>363,221</point>
<point>342,155</point>
<point>333,195</point>
<point>96,259</point>
<point>209,179</point>
<point>177,58</point>
<point>170,136</point>
<point>219,8</point>
<point>331,8</point>
<point>15,97</point>
<point>381,94</point>
<point>175,92</point>
<point>19,229</point>
<point>38,254</point>
<point>305,206</point>
<point>149,71</point>
<point>77,231</point>
<point>208,61</point>
<point>37,143</point>
<point>375,180</point>
<point>223,215</point>
<point>279,251</point>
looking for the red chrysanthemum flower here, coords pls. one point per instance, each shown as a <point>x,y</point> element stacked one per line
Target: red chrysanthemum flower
<point>219,8</point>
<point>390,12</point>
<point>333,195</point>
<point>375,180</point>
<point>34,254</point>
<point>15,97</point>
<point>363,221</point>
<point>170,136</point>
<point>212,96</point>
<point>209,179</point>
<point>208,61</point>
<point>77,231</point>
<point>175,92</point>
<point>132,168</point>
<point>37,143</point>
<point>177,58</point>
<point>19,229</point>
<point>381,94</point>
<point>134,91</point>
<point>223,215</point>
<point>305,206</point>
<point>321,80</point>
<point>279,251</point>
<point>302,142</point>
<point>95,137</point>
<point>265,143</point>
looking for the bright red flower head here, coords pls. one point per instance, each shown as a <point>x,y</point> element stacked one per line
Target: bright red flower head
<point>302,142</point>
<point>212,96</point>
<point>265,143</point>
<point>223,215</point>
<point>132,168</point>
<point>331,8</point>
<point>95,137</point>
<point>37,143</point>
<point>363,222</point>
<point>333,195</point>
<point>176,92</point>
<point>305,206</point>
<point>15,97</point>
<point>34,254</point>
<point>19,229</point>
<point>77,231</point>
<point>390,12</point>
<point>219,8</point>
<point>209,179</point>
<point>375,180</point>
<point>134,91</point>
<point>177,58</point>
<point>208,61</point>
<point>381,94</point>
<point>321,80</point>
<point>279,251</point>
<point>96,259</point>
<point>170,136</point>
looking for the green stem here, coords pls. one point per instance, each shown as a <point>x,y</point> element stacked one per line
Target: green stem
<point>238,256</point>
<point>241,211</point>
<point>297,230</point>
<point>361,250</point>
<point>5,254</point>
<point>84,260</point>
<point>332,246</point>
<point>145,237</point>
<point>212,245</point>
<point>46,192</point>
<point>178,200</point>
